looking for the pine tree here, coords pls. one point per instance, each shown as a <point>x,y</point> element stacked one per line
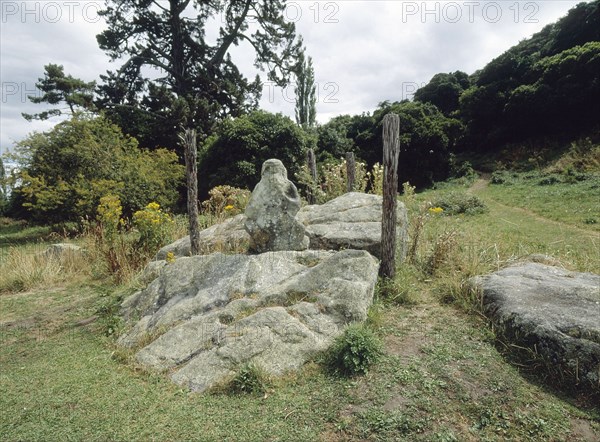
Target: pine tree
<point>59,88</point>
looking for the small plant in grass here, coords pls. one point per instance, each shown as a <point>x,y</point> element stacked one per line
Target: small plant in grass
<point>423,214</point>
<point>354,351</point>
<point>395,290</point>
<point>226,201</point>
<point>376,179</point>
<point>109,216</point>
<point>443,249</point>
<point>250,379</point>
<point>455,203</point>
<point>108,314</point>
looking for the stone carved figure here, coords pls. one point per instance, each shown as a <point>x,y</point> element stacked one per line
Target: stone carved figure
<point>271,212</point>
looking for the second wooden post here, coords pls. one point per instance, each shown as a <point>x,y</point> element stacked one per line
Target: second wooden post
<point>391,152</point>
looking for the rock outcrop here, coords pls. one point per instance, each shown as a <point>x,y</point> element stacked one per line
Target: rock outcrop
<point>553,311</point>
<point>205,315</point>
<point>228,236</point>
<point>351,221</point>
<point>64,250</point>
<point>271,212</point>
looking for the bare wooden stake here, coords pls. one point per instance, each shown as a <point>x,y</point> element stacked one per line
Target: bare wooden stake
<point>350,171</point>
<point>391,152</point>
<point>312,167</point>
<point>188,139</point>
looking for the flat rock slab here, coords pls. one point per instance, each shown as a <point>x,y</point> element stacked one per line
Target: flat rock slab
<point>351,221</point>
<point>550,310</point>
<point>203,316</point>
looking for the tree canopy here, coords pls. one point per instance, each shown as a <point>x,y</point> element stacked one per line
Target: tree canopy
<point>57,88</point>
<point>236,154</point>
<point>65,172</point>
<point>444,90</point>
<point>198,83</point>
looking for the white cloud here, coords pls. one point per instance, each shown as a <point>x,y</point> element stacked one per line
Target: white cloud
<point>363,51</point>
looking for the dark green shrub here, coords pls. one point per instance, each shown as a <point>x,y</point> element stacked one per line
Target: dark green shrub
<point>455,203</point>
<point>549,180</point>
<point>501,177</point>
<point>354,351</point>
<point>250,379</point>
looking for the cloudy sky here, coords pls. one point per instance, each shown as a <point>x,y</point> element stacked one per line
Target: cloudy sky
<point>364,51</point>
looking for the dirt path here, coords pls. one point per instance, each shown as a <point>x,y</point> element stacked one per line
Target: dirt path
<point>480,183</point>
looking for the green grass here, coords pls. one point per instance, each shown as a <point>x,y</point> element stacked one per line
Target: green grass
<point>443,376</point>
<point>576,203</point>
<point>14,233</point>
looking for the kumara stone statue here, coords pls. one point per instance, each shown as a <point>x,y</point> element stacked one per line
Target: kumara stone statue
<point>271,212</point>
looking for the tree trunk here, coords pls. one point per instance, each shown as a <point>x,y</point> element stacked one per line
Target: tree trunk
<point>188,139</point>
<point>350,171</point>
<point>391,151</point>
<point>312,168</point>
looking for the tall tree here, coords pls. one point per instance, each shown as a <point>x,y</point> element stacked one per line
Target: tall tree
<point>59,88</point>
<point>198,82</point>
<point>306,110</point>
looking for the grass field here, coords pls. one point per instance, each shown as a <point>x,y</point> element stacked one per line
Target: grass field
<point>444,376</point>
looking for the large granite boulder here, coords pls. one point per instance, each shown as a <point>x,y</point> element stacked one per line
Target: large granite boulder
<point>203,316</point>
<point>227,236</point>
<point>553,311</point>
<point>271,212</point>
<point>351,221</point>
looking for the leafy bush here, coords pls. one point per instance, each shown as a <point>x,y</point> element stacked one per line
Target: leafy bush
<point>455,203</point>
<point>226,201</point>
<point>3,189</point>
<point>250,379</point>
<point>236,153</point>
<point>66,171</point>
<point>354,351</point>
<point>332,179</point>
<point>549,180</point>
<point>502,177</point>
<point>582,156</point>
<point>376,179</point>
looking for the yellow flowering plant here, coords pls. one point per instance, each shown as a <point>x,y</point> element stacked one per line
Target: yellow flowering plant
<point>226,201</point>
<point>153,225</point>
<point>109,213</point>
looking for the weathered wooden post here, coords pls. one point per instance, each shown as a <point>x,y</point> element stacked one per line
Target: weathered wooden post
<point>188,139</point>
<point>312,168</point>
<point>391,151</point>
<point>350,171</point>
